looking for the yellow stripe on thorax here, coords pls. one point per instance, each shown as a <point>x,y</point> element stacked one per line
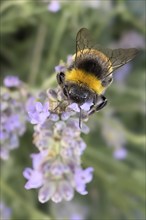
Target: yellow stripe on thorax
<point>87,79</point>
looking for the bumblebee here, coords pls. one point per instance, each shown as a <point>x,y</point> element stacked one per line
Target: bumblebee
<point>91,71</point>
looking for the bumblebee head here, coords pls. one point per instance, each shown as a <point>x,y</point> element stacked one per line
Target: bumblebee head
<point>79,94</point>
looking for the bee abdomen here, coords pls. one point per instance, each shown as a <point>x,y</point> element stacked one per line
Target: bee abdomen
<point>91,66</point>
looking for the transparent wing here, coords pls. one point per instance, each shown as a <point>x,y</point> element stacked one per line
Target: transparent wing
<point>119,57</point>
<point>83,41</point>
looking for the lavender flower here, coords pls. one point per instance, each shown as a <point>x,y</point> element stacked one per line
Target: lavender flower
<point>63,66</point>
<point>81,178</point>
<point>37,112</point>
<point>57,167</point>
<point>13,115</point>
<point>12,81</point>
<point>60,68</point>
<point>54,6</point>
<point>5,212</point>
<point>120,153</point>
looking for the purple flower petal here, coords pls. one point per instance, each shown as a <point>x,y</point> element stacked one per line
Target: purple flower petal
<point>57,169</point>
<point>60,68</point>
<point>13,115</point>
<point>38,158</point>
<point>12,81</point>
<point>81,178</point>
<point>65,116</point>
<point>69,59</point>
<point>120,153</point>
<point>66,190</point>
<point>4,154</point>
<point>27,173</point>
<point>80,147</point>
<point>57,197</point>
<point>3,135</point>
<point>75,107</point>
<point>86,106</point>
<point>37,112</point>
<point>54,117</point>
<point>54,6</point>
<point>12,123</point>
<point>46,192</point>
<point>85,129</point>
<point>14,141</point>
<point>76,217</point>
<point>5,212</point>
<point>35,180</point>
<point>39,107</point>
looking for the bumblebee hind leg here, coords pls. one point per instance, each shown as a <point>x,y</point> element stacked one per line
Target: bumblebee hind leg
<point>97,107</point>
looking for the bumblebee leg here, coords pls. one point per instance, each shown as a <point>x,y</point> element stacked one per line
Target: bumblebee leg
<point>60,78</point>
<point>61,81</point>
<point>102,104</point>
<point>96,107</point>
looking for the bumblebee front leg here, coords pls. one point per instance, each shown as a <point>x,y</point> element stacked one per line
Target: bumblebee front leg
<point>60,78</point>
<point>61,82</point>
<point>97,107</point>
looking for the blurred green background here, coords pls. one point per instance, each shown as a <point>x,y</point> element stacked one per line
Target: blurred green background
<point>34,38</point>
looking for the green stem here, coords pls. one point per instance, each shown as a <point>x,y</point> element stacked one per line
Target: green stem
<point>134,138</point>
<point>6,4</point>
<point>127,15</point>
<point>116,175</point>
<point>37,53</point>
<point>131,137</point>
<point>49,82</point>
<point>57,38</point>
<point>139,94</point>
<point>27,206</point>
